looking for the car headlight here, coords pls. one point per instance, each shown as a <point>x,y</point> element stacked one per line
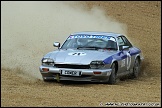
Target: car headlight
<point>47,62</point>
<point>97,64</point>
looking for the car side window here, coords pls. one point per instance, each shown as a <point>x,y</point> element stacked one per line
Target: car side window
<point>123,41</point>
<point>126,41</point>
<point>120,41</point>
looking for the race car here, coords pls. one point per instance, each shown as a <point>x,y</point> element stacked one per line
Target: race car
<point>92,56</point>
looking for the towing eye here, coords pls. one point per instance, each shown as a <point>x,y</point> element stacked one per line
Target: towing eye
<point>57,77</point>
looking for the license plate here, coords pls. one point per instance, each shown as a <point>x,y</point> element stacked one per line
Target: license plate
<point>71,72</point>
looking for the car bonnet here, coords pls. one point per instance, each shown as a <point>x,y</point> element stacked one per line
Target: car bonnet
<point>71,56</point>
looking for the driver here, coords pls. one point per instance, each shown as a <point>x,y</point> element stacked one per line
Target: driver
<point>82,41</point>
<point>112,43</point>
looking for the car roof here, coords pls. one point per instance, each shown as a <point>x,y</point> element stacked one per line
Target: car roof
<point>97,33</point>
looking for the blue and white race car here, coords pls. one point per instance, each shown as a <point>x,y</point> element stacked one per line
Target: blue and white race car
<point>92,56</point>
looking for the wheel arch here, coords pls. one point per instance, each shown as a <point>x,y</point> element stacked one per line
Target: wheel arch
<point>116,65</point>
<point>138,57</point>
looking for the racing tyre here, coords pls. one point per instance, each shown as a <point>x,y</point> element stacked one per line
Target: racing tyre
<point>136,69</point>
<point>112,79</point>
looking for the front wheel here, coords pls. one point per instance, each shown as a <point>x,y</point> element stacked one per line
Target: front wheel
<point>112,78</point>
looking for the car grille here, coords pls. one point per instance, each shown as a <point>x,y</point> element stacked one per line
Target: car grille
<point>72,66</point>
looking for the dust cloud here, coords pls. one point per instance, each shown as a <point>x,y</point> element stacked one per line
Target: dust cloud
<point>28,30</point>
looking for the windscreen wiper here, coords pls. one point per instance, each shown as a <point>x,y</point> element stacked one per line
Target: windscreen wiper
<point>94,48</point>
<point>110,48</point>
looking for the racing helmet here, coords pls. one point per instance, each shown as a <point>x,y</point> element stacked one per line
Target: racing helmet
<point>82,41</point>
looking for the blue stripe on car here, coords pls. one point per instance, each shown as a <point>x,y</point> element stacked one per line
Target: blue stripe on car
<point>117,56</point>
<point>134,51</point>
<point>108,60</point>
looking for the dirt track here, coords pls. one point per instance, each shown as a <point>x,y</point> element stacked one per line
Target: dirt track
<point>143,20</point>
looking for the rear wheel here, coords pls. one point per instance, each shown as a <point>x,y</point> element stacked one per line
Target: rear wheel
<point>112,78</point>
<point>136,69</point>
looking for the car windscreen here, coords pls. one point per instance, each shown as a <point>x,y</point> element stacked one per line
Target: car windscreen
<point>90,42</point>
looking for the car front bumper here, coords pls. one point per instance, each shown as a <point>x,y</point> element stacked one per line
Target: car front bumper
<point>85,74</point>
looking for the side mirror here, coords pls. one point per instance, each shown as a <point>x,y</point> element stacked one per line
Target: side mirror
<point>56,44</point>
<point>123,47</point>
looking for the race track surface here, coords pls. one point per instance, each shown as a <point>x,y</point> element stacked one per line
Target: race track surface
<point>19,89</point>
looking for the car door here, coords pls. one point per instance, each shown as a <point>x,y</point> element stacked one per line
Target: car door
<point>125,57</point>
<point>130,58</point>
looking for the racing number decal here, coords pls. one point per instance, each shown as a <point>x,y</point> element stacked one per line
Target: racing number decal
<point>77,53</point>
<point>74,54</point>
<point>128,60</point>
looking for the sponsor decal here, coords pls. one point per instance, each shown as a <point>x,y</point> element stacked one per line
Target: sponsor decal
<point>91,36</point>
<point>123,63</point>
